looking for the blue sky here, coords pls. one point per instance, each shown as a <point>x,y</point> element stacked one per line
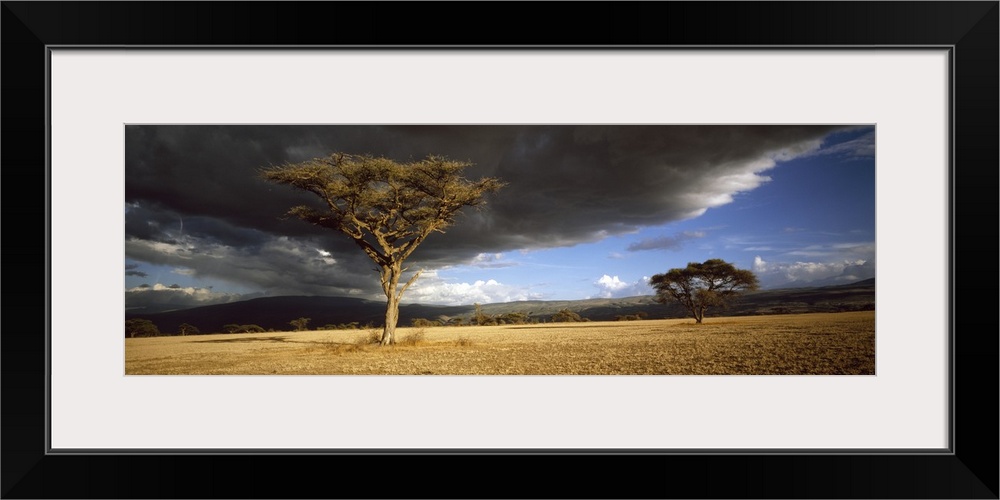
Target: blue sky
<point>588,213</point>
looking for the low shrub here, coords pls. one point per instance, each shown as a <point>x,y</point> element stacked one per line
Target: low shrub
<point>413,339</point>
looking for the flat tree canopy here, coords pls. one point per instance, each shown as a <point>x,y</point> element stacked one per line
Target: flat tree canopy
<point>698,286</point>
<point>137,327</point>
<point>386,207</point>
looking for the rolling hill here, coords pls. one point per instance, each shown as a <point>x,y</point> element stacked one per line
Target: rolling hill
<point>276,312</point>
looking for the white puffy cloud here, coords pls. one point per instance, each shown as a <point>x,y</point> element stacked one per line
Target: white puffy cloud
<point>613,286</point>
<point>799,273</point>
<point>817,265</point>
<point>432,289</point>
<point>759,265</point>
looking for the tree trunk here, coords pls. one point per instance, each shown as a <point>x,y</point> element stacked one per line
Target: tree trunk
<point>391,318</point>
<point>390,282</point>
<point>699,314</point>
<point>695,312</point>
<point>390,285</point>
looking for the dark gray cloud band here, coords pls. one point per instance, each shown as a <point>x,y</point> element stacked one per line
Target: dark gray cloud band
<point>194,197</point>
<point>674,242</point>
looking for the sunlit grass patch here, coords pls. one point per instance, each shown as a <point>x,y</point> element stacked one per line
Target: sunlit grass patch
<point>835,343</point>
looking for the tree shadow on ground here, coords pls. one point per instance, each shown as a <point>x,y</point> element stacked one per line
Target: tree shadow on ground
<point>546,326</point>
<point>272,339</point>
<point>243,340</point>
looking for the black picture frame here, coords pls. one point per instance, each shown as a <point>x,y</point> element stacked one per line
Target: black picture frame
<point>970,29</point>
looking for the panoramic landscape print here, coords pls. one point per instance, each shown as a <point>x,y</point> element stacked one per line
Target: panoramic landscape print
<point>499,250</point>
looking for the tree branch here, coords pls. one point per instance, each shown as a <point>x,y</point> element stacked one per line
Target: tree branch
<point>410,281</point>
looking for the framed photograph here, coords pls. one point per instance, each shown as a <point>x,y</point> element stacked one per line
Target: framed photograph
<point>821,151</point>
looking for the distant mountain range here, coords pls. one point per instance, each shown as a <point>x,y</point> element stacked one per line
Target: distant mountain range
<point>276,312</point>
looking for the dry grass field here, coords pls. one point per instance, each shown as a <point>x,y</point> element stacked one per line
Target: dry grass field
<point>834,343</point>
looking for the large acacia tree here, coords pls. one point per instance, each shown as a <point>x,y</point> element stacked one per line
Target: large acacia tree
<point>386,207</point>
<point>699,286</point>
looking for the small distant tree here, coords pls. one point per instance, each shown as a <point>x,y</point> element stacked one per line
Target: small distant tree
<point>514,318</point>
<point>566,316</point>
<point>234,328</point>
<point>700,286</point>
<point>387,208</point>
<point>478,316</point>
<point>137,327</point>
<point>186,329</point>
<point>300,324</point>
<point>423,323</point>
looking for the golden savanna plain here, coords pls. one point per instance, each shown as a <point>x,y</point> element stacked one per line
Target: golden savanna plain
<point>790,344</point>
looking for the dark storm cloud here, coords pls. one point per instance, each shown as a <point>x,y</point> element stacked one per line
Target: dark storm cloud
<point>575,184</point>
<point>130,270</point>
<point>193,192</point>
<point>280,266</point>
<point>153,221</point>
